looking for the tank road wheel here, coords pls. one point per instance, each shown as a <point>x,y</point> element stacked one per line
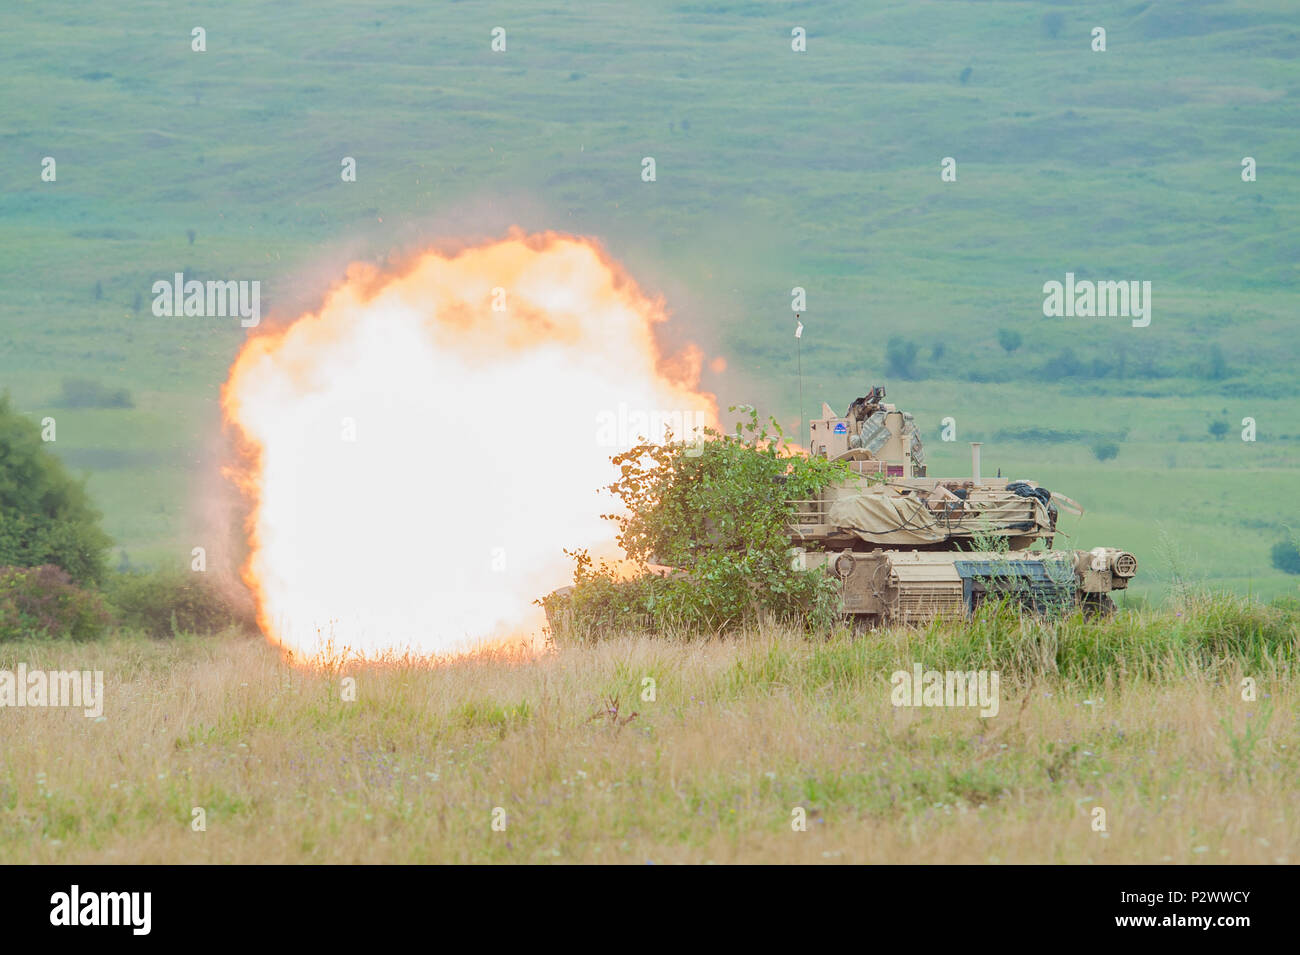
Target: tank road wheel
<point>1097,606</point>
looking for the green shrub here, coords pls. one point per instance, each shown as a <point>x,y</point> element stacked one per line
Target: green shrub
<point>1065,365</point>
<point>900,357</point>
<point>1286,557</point>
<point>718,513</point>
<point>45,516</point>
<point>1105,450</point>
<point>43,601</point>
<point>85,393</point>
<point>165,603</point>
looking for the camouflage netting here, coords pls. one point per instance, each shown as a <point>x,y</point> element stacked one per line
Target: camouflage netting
<point>883,516</point>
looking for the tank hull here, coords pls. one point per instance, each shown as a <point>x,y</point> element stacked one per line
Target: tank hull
<point>917,586</point>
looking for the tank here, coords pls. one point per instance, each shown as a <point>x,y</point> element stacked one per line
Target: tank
<point>906,547</point>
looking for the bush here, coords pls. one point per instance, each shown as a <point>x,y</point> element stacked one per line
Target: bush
<point>1105,450</point>
<point>166,603</point>
<point>599,603</point>
<point>45,516</point>
<point>1065,365</point>
<point>43,601</point>
<point>84,393</point>
<point>900,356</point>
<point>1009,339</point>
<point>1286,557</point>
<point>719,515</point>
<point>1219,428</point>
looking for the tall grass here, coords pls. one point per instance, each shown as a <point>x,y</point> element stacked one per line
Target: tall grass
<point>1141,715</point>
<point>1199,634</point>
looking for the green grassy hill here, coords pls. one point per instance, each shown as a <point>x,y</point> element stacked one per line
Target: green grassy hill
<point>775,169</point>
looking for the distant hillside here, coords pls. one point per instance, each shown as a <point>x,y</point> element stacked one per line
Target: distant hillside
<point>775,169</point>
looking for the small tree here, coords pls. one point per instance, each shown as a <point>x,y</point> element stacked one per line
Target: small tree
<point>45,516</point>
<point>1009,339</point>
<point>1053,23</point>
<point>1219,428</point>
<point>900,356</point>
<point>1286,557</point>
<point>1105,450</point>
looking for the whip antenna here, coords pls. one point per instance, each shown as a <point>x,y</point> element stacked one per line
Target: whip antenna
<point>798,357</point>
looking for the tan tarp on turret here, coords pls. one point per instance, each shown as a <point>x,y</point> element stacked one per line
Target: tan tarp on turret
<point>883,516</point>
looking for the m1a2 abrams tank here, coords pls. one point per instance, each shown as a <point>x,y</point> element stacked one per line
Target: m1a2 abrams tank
<point>907,547</point>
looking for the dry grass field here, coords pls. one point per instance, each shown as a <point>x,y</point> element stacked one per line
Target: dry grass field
<point>739,734</point>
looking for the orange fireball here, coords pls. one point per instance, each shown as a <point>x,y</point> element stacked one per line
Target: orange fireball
<point>419,451</point>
